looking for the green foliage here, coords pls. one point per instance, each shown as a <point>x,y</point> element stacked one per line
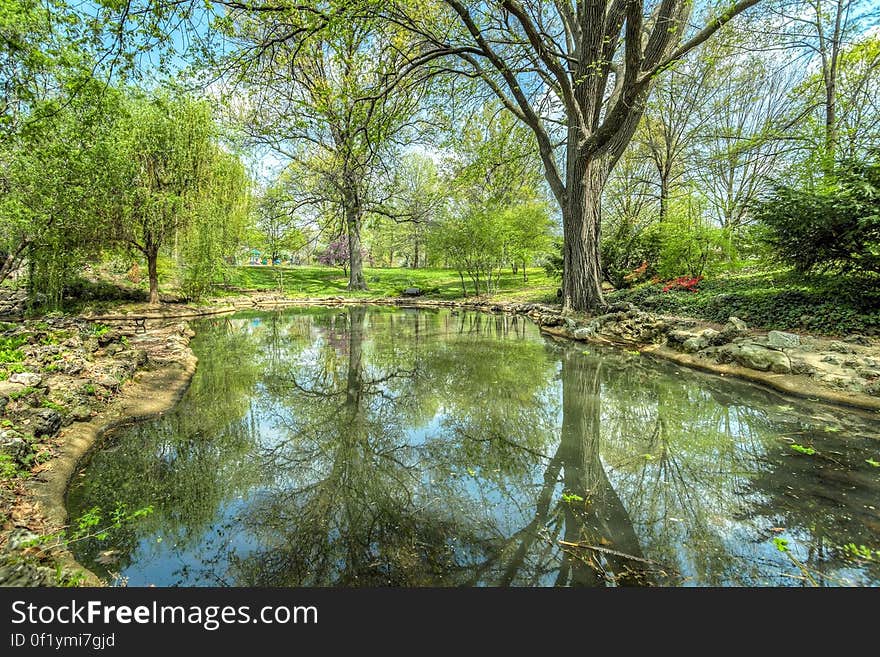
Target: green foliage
<point>554,261</point>
<point>9,349</point>
<point>801,449</point>
<point>8,467</point>
<point>94,524</point>
<point>684,244</point>
<point>834,226</point>
<point>52,206</point>
<point>527,229</point>
<point>21,394</point>
<point>774,299</point>
<point>473,245</point>
<point>217,226</point>
<point>496,216</point>
<point>859,552</point>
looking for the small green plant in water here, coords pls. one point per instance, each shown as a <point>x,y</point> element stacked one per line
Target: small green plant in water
<point>92,524</point>
<point>800,449</point>
<point>859,552</point>
<point>571,498</point>
<point>782,545</point>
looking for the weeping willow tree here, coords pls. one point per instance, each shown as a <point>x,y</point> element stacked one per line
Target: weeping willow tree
<point>166,156</point>
<point>217,226</point>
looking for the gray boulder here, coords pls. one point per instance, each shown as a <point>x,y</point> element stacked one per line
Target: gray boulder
<point>80,414</point>
<point>802,367</point>
<point>677,337</point>
<point>28,379</point>
<point>14,445</point>
<point>46,422</point>
<point>841,347</point>
<point>758,357</point>
<point>734,328</point>
<point>693,345</point>
<point>107,380</point>
<point>73,366</point>
<point>783,340</point>
<point>712,337</point>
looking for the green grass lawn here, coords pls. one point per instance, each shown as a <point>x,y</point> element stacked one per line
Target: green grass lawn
<point>316,282</point>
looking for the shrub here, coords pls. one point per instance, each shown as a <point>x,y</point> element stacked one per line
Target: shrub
<point>835,226</point>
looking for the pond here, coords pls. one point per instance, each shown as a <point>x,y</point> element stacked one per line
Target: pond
<point>375,447</point>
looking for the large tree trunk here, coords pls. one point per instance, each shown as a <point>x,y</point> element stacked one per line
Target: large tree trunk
<point>353,215</point>
<point>830,53</point>
<point>153,273</point>
<point>10,261</point>
<point>581,225</point>
<point>415,260</point>
<point>831,116</point>
<point>664,195</point>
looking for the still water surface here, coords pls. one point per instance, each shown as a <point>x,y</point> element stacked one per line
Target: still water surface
<point>372,447</point>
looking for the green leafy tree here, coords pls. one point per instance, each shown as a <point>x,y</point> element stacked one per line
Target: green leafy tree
<point>835,225</point>
<point>165,154</point>
<point>218,226</point>
<point>528,231</point>
<point>317,97</point>
<point>577,75</point>
<point>55,188</point>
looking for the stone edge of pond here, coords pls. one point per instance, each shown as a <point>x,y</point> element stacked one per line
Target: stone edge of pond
<point>152,393</point>
<point>789,384</point>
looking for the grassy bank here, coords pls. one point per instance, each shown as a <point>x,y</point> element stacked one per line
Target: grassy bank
<point>774,299</point>
<point>390,282</point>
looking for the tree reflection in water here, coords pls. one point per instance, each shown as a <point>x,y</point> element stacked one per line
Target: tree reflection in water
<point>396,447</point>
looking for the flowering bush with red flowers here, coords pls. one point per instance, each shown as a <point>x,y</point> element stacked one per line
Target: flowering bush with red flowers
<point>685,283</point>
